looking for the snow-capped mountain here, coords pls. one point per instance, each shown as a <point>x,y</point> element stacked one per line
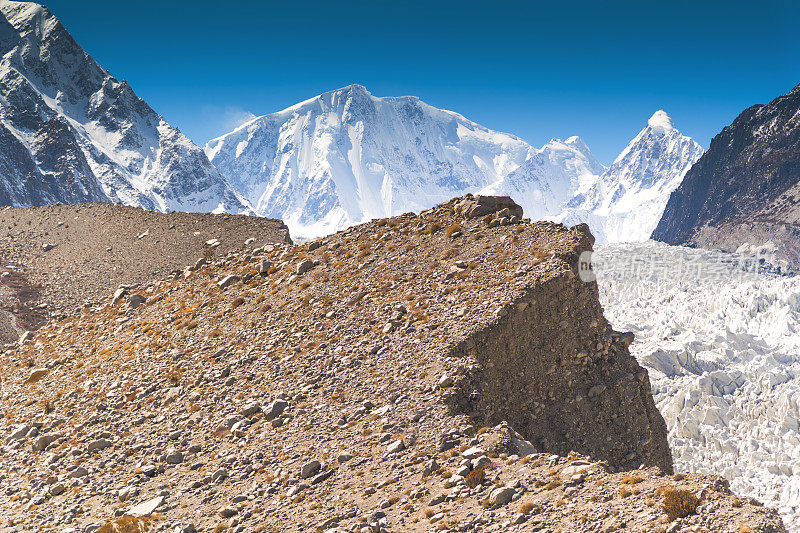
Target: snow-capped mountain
<point>626,202</point>
<point>71,133</point>
<point>346,156</point>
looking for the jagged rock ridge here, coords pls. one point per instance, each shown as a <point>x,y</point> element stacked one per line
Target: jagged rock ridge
<point>72,133</point>
<point>746,188</point>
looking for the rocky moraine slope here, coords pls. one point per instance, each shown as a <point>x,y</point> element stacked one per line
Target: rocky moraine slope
<point>444,371</point>
<point>56,258</point>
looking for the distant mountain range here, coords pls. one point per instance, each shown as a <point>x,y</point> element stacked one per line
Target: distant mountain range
<point>72,133</point>
<point>346,156</point>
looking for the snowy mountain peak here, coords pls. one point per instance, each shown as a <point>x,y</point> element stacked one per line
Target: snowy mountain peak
<point>577,142</point>
<point>346,156</point>
<point>625,203</point>
<point>661,122</point>
<point>72,133</point>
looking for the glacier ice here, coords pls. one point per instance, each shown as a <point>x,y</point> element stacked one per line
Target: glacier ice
<point>721,342</point>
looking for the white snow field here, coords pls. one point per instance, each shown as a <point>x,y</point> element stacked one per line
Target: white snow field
<point>722,345</point>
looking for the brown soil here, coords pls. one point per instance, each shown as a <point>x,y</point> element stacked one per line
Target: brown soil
<point>353,384</point>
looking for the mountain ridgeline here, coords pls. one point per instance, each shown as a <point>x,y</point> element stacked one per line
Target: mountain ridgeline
<point>746,189</point>
<point>72,133</point>
<point>346,157</point>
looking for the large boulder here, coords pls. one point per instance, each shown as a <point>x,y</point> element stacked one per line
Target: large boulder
<point>478,206</point>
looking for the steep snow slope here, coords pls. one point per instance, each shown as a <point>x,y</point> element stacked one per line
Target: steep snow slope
<point>346,156</point>
<point>722,345</point>
<point>71,133</point>
<point>626,202</point>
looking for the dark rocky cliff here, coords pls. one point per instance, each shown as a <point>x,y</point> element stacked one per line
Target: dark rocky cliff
<point>746,188</point>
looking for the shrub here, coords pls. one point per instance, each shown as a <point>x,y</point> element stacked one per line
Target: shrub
<point>475,478</point>
<point>632,479</point>
<point>47,405</point>
<point>174,375</point>
<point>126,524</point>
<point>452,228</point>
<point>433,228</point>
<point>680,503</point>
<point>526,508</point>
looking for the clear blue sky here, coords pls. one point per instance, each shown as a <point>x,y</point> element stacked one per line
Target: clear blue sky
<point>597,69</point>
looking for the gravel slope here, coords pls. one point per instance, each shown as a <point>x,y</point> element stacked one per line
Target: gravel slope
<point>97,248</point>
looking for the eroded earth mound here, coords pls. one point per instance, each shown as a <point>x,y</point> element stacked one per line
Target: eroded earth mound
<point>424,372</point>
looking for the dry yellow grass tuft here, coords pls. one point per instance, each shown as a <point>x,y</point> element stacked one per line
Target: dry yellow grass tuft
<point>475,478</point>
<point>680,504</point>
<point>127,524</point>
<point>452,228</point>
<point>632,479</point>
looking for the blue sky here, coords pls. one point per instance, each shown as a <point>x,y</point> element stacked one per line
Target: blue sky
<point>596,69</point>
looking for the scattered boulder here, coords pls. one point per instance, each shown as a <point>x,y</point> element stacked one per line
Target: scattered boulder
<point>227,281</point>
<point>275,409</point>
<point>501,496</point>
<point>37,374</point>
<point>99,444</point>
<point>26,337</point>
<point>146,508</point>
<point>478,206</point>
<point>304,266</point>
<point>309,469</point>
<point>135,300</point>
<point>173,457</point>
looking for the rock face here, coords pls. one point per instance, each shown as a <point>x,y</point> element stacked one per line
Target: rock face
<point>625,203</point>
<point>553,342</point>
<point>746,188</point>
<point>72,133</point>
<point>496,360</point>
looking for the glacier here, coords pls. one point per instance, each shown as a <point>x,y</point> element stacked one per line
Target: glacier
<point>720,336</point>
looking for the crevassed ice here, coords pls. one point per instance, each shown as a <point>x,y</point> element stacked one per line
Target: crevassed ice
<point>722,346</point>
